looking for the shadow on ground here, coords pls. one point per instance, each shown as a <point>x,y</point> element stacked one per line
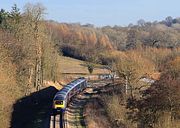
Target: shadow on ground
<point>34,110</point>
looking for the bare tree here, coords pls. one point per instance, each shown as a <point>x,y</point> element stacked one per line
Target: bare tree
<point>131,68</point>
<point>34,13</point>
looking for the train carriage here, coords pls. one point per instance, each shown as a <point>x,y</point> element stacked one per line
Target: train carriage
<point>64,95</point>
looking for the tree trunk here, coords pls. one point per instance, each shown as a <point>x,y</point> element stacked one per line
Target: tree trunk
<point>131,89</point>
<point>126,84</point>
<point>28,91</point>
<point>38,79</point>
<point>171,108</point>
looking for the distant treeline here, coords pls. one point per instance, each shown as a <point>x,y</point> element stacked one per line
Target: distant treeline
<point>86,41</point>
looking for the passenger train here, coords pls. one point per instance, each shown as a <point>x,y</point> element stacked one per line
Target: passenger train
<point>63,96</point>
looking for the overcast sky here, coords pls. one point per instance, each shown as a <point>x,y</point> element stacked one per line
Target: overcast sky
<point>103,12</point>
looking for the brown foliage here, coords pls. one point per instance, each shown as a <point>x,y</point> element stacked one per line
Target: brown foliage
<point>9,90</point>
<point>173,67</point>
<point>78,41</point>
<point>20,49</point>
<point>160,101</point>
<point>134,65</point>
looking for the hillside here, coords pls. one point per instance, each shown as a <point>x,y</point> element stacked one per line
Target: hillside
<point>83,41</point>
<point>69,65</point>
<point>70,68</point>
<point>33,50</point>
<point>80,42</point>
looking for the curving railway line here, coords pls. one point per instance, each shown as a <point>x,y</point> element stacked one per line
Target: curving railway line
<point>73,116</point>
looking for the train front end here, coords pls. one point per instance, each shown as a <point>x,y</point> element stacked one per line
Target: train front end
<point>59,104</point>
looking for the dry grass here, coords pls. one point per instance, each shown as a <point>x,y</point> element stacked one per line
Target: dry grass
<point>69,69</point>
<point>70,65</point>
<point>166,122</point>
<point>117,111</point>
<point>96,116</point>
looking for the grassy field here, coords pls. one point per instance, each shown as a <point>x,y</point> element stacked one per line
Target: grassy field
<point>69,68</point>
<point>67,65</point>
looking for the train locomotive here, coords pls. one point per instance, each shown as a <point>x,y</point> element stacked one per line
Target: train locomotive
<point>63,96</point>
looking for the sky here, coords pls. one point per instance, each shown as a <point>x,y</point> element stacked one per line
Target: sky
<point>103,12</point>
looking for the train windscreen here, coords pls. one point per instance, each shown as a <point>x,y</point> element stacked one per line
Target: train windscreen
<point>59,102</point>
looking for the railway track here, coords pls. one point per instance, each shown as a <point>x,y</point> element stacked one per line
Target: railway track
<point>74,116</point>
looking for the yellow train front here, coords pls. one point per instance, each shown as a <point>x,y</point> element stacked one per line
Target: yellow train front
<point>59,102</point>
